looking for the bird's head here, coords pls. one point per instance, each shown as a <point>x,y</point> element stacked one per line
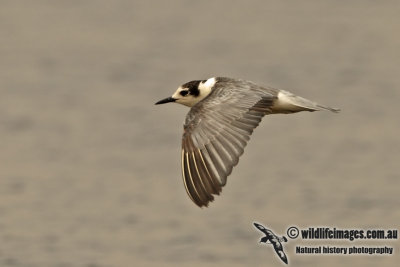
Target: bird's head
<point>264,239</point>
<point>190,93</point>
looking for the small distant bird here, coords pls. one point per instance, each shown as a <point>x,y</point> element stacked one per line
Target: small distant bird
<point>274,240</point>
<point>224,112</point>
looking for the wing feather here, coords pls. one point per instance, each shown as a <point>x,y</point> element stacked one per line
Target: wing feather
<point>212,187</point>
<point>188,182</point>
<point>216,131</point>
<point>229,148</point>
<point>217,161</point>
<point>199,184</point>
<point>213,178</point>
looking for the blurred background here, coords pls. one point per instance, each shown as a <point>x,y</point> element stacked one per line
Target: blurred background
<point>90,168</point>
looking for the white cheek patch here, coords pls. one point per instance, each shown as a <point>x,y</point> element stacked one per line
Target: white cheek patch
<point>189,100</point>
<point>205,88</point>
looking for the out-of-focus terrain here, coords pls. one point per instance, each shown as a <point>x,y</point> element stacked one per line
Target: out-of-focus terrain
<point>90,168</point>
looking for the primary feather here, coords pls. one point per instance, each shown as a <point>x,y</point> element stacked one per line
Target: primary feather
<point>224,112</point>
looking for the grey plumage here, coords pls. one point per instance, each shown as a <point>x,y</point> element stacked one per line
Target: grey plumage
<point>218,127</point>
<point>216,130</point>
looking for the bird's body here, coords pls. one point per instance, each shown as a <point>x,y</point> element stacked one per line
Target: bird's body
<point>224,112</point>
<point>274,240</point>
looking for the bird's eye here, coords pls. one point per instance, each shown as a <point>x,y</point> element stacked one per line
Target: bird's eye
<point>183,93</point>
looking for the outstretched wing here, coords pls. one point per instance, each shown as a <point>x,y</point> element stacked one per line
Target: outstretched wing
<point>279,250</point>
<point>263,229</point>
<point>260,227</point>
<point>216,130</point>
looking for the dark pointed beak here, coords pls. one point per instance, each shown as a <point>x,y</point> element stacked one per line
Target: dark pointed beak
<point>166,100</point>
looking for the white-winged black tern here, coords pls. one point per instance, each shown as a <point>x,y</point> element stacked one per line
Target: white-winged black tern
<point>224,112</point>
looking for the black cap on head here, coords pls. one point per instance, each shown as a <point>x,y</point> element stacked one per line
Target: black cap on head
<point>193,87</point>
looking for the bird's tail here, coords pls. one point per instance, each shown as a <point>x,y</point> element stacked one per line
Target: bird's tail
<point>289,103</point>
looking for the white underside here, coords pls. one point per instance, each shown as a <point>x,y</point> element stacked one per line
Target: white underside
<point>285,102</point>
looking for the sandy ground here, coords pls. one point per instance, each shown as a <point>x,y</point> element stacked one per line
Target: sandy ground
<point>90,170</point>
